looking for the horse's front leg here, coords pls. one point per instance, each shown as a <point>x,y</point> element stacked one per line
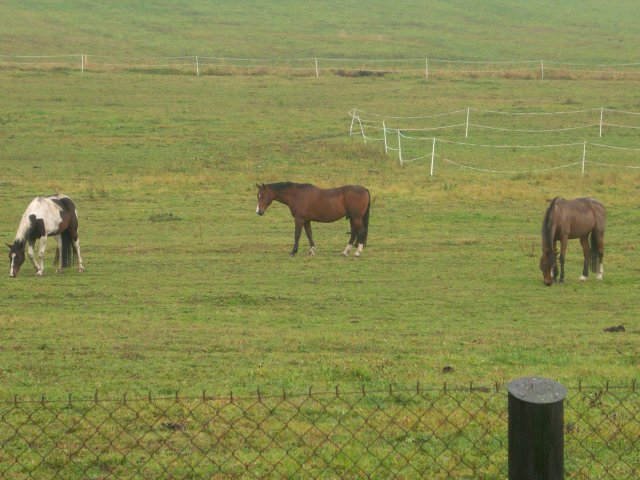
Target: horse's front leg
<point>40,265</point>
<point>563,250</point>
<point>30,245</point>
<point>296,238</point>
<point>312,245</point>
<point>584,241</point>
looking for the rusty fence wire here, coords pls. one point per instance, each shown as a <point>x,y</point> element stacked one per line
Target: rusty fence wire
<point>435,433</point>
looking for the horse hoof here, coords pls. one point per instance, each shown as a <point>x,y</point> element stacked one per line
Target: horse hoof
<point>312,252</point>
<point>583,278</point>
<point>80,269</point>
<point>38,274</point>
<point>599,277</point>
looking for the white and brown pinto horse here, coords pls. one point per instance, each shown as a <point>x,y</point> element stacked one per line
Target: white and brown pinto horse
<point>53,216</point>
<point>566,219</point>
<point>312,204</point>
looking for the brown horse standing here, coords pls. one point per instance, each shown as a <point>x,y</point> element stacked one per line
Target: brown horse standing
<point>566,219</point>
<point>312,204</point>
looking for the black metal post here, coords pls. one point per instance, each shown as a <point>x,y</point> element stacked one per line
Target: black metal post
<point>536,429</point>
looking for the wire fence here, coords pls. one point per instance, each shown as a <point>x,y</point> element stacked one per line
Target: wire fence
<point>315,66</point>
<point>436,433</point>
<point>414,138</point>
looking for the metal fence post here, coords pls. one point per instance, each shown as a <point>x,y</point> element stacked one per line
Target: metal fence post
<point>536,429</point>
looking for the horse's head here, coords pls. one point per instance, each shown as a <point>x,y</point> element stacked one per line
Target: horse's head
<point>547,265</point>
<point>265,197</point>
<point>16,258</point>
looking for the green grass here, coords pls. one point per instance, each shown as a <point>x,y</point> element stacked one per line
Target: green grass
<point>586,32</point>
<point>186,288</point>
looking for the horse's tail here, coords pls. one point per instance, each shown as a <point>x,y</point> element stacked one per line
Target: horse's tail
<point>68,252</point>
<point>594,259</point>
<point>365,220</point>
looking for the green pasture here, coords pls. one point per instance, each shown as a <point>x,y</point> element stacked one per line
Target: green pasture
<point>571,31</point>
<point>187,289</point>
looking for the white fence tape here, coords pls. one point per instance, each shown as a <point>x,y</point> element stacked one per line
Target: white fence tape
<point>401,134</point>
<point>380,119</point>
<point>544,130</point>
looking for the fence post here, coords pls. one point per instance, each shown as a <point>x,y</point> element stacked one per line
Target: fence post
<point>601,115</point>
<point>317,72</point>
<point>399,148</point>
<point>536,429</point>
<point>466,130</point>
<point>353,119</point>
<point>82,62</point>
<point>584,156</point>
<point>197,67</point>
<point>384,130</point>
<point>433,154</point>
<point>364,137</point>
<point>426,68</point>
<point>541,69</point>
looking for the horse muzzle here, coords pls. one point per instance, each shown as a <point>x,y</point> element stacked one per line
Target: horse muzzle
<point>259,212</point>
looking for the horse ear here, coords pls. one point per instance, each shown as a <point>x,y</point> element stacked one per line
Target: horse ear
<point>258,185</point>
<point>8,245</point>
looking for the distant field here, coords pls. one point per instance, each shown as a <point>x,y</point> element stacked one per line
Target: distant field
<point>186,288</point>
<point>585,32</point>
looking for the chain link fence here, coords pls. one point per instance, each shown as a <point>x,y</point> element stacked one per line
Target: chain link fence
<point>435,433</point>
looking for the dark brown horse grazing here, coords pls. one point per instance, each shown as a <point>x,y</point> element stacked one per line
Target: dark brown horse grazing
<point>566,219</point>
<point>312,204</point>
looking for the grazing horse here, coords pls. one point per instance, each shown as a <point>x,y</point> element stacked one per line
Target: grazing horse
<point>308,203</point>
<point>567,219</point>
<point>45,217</point>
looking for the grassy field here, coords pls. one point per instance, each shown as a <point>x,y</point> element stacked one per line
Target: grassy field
<point>584,32</point>
<point>185,288</point>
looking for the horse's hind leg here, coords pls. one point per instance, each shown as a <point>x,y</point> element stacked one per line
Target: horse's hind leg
<point>600,239</point>
<point>584,241</point>
<point>58,253</point>
<point>360,232</point>
<point>76,247</point>
<point>352,239</point>
<point>312,245</point>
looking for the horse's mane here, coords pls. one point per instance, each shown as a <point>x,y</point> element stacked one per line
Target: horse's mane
<point>284,185</point>
<point>546,225</point>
